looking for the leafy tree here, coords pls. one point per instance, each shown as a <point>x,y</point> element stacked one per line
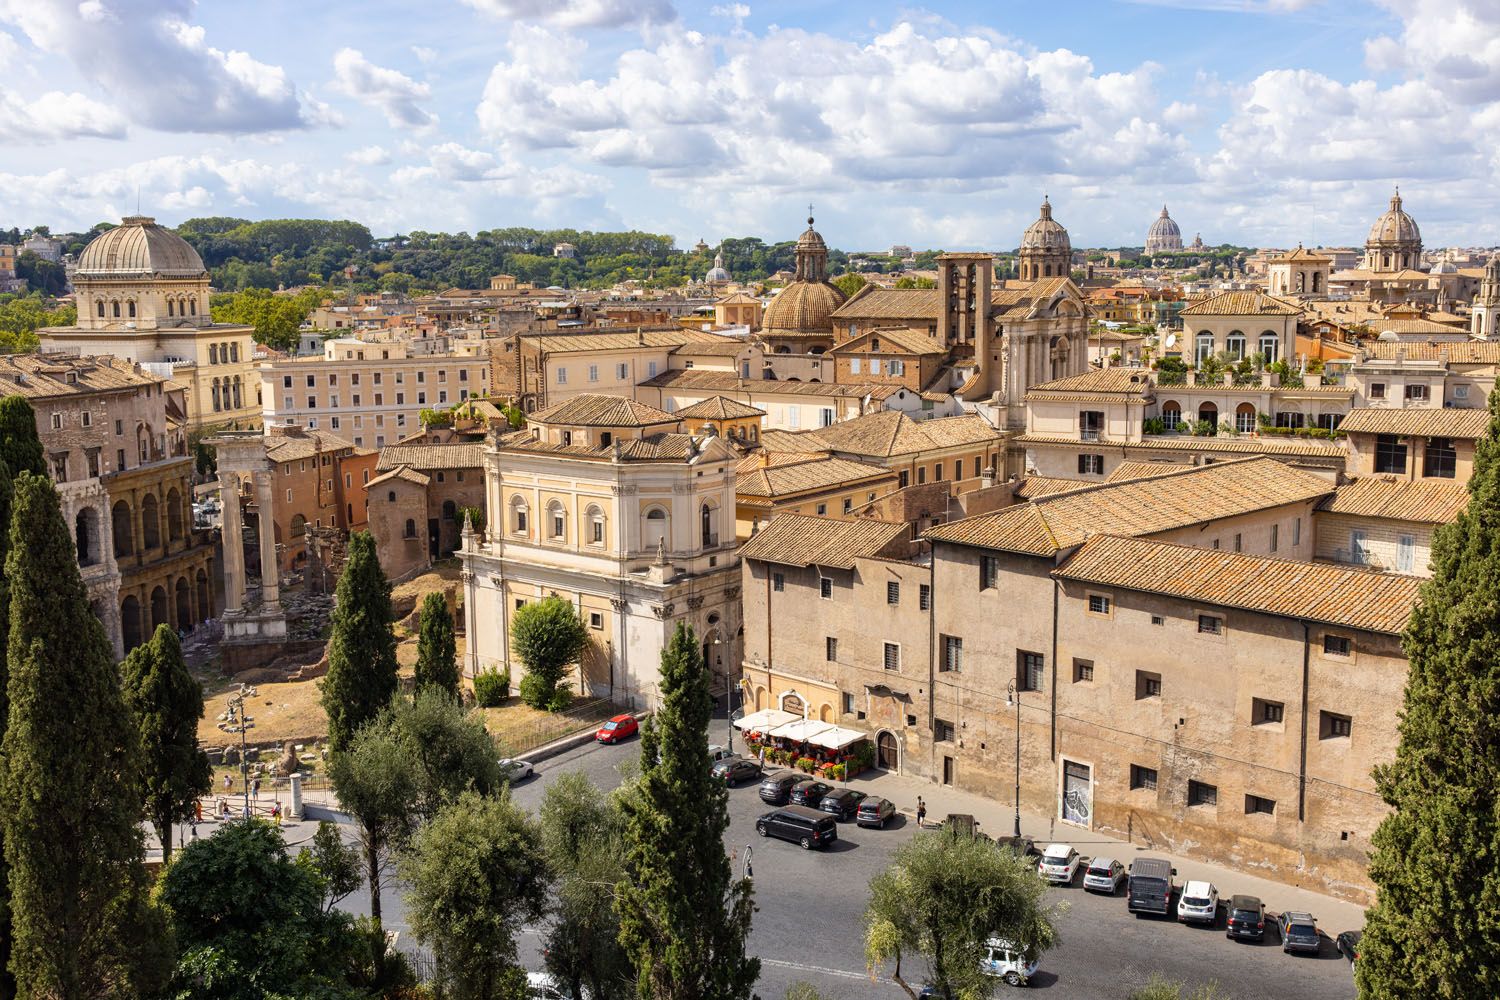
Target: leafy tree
<point>361,647</point>
<point>22,315</point>
<point>941,898</point>
<point>917,282</point>
<point>335,864</point>
<point>41,274</point>
<point>20,447</point>
<point>547,635</point>
<point>477,874</point>
<point>849,283</point>
<point>583,836</point>
<point>250,923</point>
<point>683,917</point>
<point>167,702</point>
<point>437,652</point>
<point>81,921</point>
<point>7,979</point>
<point>1433,929</point>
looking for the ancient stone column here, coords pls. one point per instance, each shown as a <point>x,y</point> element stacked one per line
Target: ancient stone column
<point>234,543</point>
<point>270,572</point>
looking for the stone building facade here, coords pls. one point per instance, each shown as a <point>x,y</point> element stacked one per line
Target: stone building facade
<point>415,499</point>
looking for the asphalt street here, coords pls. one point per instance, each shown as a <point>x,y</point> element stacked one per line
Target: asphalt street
<point>809,905</point>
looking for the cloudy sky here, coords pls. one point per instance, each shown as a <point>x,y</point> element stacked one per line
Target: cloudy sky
<point>1257,121</point>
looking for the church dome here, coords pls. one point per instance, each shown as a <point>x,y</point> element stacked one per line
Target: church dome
<point>1395,226</point>
<point>139,247</point>
<point>1164,227</point>
<point>1046,233</point>
<point>803,307</point>
<point>717,274</point>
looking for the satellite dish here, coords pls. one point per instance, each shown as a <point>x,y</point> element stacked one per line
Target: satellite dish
<point>1171,341</point>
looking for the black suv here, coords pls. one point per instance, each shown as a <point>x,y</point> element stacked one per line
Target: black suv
<point>775,788</point>
<point>809,793</point>
<point>805,827</point>
<point>733,770</point>
<point>1247,919</point>
<point>842,802</point>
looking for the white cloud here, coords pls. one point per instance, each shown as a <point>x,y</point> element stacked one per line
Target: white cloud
<point>160,68</point>
<point>1455,44</point>
<point>581,13</point>
<point>55,116</point>
<point>424,55</point>
<point>391,91</point>
<point>370,156</point>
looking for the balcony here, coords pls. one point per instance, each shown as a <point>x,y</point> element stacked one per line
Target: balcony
<point>1090,434</point>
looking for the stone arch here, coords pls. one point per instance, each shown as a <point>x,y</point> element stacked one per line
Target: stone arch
<point>184,601</point>
<point>160,615</point>
<point>86,536</point>
<point>557,521</point>
<point>450,510</point>
<point>1209,413</point>
<point>1244,418</point>
<point>174,515</point>
<point>205,601</point>
<point>887,751</point>
<point>150,523</point>
<point>825,712</point>
<point>1171,413</point>
<point>130,622</point>
<point>657,528</point>
<point>120,523</point>
<point>760,698</point>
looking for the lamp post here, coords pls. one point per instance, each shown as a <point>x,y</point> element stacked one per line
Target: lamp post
<point>239,700</point>
<point>1013,697</point>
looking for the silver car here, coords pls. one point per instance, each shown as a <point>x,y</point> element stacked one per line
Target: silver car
<point>1104,875</point>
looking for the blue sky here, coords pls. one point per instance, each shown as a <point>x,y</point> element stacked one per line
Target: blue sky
<point>1266,122</point>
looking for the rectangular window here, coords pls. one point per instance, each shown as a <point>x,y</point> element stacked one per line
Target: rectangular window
<point>778,582</point>
<point>421,399</point>
<point>622,372</point>
<point>1083,671</point>
<point>822,509</point>
<point>1091,465</point>
<point>400,399</point>
<point>825,417</point>
<point>892,592</point>
<point>312,381</point>
<point>1210,625</point>
<point>1200,793</point>
<point>1359,554</point>
<point>953,654</point>
<point>1147,685</point>
<point>854,366</point>
<point>942,731</point>
<point>831,649</point>
<point>562,376</point>
<point>1406,546</point>
<point>596,619</point>
<point>1296,532</point>
<point>286,381</point>
<point>1377,390</point>
<point>921,474</point>
<point>825,588</point>
<point>989,572</point>
<point>1336,645</point>
<point>1417,392</point>
<point>892,656</point>
<point>1264,712</point>
<point>1332,726</point>
<point>977,470</point>
<point>848,701</point>
<point>1275,536</point>
<point>1439,459</point>
<point>924,597</point>
<point>1142,778</point>
<point>1390,454</point>
<point>1029,670</point>
<point>937,472</point>
<point>1259,804</point>
<point>593,373</point>
<point>651,369</point>
<point>902,478</point>
<point>1158,620</point>
<point>848,504</point>
<point>1237,541</point>
<point>1098,604</point>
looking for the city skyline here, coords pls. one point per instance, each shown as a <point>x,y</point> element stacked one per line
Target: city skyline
<point>1259,123</point>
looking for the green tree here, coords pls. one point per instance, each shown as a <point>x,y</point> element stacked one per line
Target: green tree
<point>335,864</point>
<point>7,979</point>
<point>437,651</point>
<point>683,916</point>
<point>361,647</point>
<point>167,702</point>
<point>20,447</point>
<point>547,636</point>
<point>81,921</point>
<point>941,898</point>
<point>1434,926</point>
<point>907,281</point>
<point>583,836</point>
<point>849,283</point>
<point>477,874</point>
<point>249,921</point>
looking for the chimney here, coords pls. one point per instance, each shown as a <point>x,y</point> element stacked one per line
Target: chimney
<point>987,478</point>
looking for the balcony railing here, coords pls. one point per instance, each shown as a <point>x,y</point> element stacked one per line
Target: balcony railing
<point>1089,434</point>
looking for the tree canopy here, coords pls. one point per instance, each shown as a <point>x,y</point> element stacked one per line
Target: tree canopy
<point>547,636</point>
<point>437,652</point>
<point>361,645</point>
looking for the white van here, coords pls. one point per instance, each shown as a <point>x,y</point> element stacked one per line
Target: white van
<point>1006,961</point>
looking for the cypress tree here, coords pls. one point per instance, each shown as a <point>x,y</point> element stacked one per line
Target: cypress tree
<point>437,650</point>
<point>1435,928</point>
<point>20,447</point>
<point>167,702</point>
<point>683,916</point>
<point>7,981</point>
<point>362,647</point>
<point>81,924</point>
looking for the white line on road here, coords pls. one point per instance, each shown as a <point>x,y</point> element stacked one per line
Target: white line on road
<point>840,973</point>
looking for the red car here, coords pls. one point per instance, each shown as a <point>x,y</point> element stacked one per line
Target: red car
<point>621,727</point>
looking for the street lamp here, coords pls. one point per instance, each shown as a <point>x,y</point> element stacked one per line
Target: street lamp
<point>1012,697</point>
<point>239,701</point>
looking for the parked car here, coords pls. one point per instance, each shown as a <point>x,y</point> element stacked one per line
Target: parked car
<point>1104,875</point>
<point>776,788</point>
<point>1007,961</point>
<point>1059,864</point>
<point>842,802</point>
<point>805,827</point>
<point>717,753</point>
<point>875,811</point>
<point>621,727</point>
<point>1198,904</point>
<point>1022,847</point>
<point>809,793</point>
<point>1246,920</point>
<point>1348,945</point>
<point>1299,932</point>
<point>736,770</point>
<point>1150,887</point>
<point>516,770</point>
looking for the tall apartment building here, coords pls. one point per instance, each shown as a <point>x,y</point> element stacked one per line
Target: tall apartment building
<point>369,393</point>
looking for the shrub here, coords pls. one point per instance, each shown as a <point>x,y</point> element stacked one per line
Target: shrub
<point>535,691</point>
<point>806,764</point>
<point>491,687</point>
<point>1153,425</point>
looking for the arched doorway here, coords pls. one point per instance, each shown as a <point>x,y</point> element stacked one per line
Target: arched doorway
<point>158,607</point>
<point>205,606</point>
<point>1244,418</point>
<point>86,536</point>
<point>760,698</point>
<point>825,712</point>
<point>174,516</point>
<point>184,603</point>
<point>886,755</point>
<point>150,524</point>
<point>120,522</point>
<point>130,622</point>
<point>1208,414</point>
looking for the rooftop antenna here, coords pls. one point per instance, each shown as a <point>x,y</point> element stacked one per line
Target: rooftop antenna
<point>137,199</point>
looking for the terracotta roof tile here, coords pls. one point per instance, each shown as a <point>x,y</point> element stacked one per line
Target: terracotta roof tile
<point>890,432</point>
<point>1427,501</point>
<point>1473,352</point>
<point>1242,304</point>
<point>404,473</point>
<point>892,303</point>
<point>1127,381</point>
<point>1045,486</point>
<point>722,382</point>
<point>431,456</point>
<point>799,540</point>
<point>38,376</point>
<point>573,343</point>
<point>290,447</point>
<point>788,479</point>
<point>1351,598</point>
<point>591,410</point>
<point>719,408</point>
<point>1304,447</point>
<point>1431,422</point>
<point>904,339</point>
<point>1126,471</point>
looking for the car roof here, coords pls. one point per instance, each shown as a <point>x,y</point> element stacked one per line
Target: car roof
<point>1054,850</point>
<point>783,776</point>
<point>1301,916</point>
<point>839,793</point>
<point>872,800</point>
<point>1244,902</point>
<point>623,717</point>
<point>1198,888</point>
<point>802,811</point>
<point>1101,862</point>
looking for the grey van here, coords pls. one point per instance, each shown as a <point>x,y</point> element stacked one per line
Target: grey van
<point>805,827</point>
<point>1150,887</point>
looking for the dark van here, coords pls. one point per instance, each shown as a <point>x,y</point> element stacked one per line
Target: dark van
<point>776,789</point>
<point>1151,886</point>
<point>805,827</point>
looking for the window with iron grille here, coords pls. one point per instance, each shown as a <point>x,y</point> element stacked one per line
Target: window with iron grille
<point>953,653</point>
<point>892,656</point>
<point>1083,671</point>
<point>1099,604</point>
<point>1147,684</point>
<point>1260,804</point>
<point>1336,645</point>
<point>825,588</point>
<point>1390,454</point>
<point>989,572</point>
<point>1331,725</point>
<point>1210,625</point>
<point>924,597</point>
<point>1201,793</point>
<point>831,649</point>
<point>892,592</point>
<point>942,731</point>
<point>1264,712</point>
<point>1142,778</point>
<point>1030,668</point>
<point>778,581</point>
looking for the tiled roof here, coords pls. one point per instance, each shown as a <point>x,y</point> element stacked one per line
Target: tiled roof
<point>719,408</point>
<point>1127,381</point>
<point>1302,256</point>
<point>431,456</point>
<point>1045,486</point>
<point>890,432</point>
<point>289,447</point>
<point>1288,445</point>
<point>659,447</point>
<point>1472,352</point>
<point>799,540</point>
<point>590,410</point>
<point>1334,595</point>
<point>902,338</point>
<point>1417,327</point>
<point>572,343</point>
<point>764,458</point>
<point>1430,422</point>
<point>719,347</point>
<point>777,440</point>
<point>1193,495</point>
<point>789,479</point>
<point>41,377</point>
<point>892,303</point>
<point>1427,501</point>
<point>1126,471</point>
<point>721,382</point>
<point>403,472</point>
<point>1241,304</point>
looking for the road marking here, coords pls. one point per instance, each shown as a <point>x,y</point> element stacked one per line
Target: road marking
<point>801,967</point>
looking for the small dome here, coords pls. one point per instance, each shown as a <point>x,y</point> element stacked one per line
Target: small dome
<point>1395,226</point>
<point>1164,227</point>
<point>811,239</point>
<point>717,273</point>
<point>1388,337</point>
<point>1046,233</point>
<point>802,307</point>
<point>138,246</point>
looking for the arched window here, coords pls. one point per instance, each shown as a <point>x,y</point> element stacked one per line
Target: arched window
<point>150,524</point>
<point>707,524</point>
<point>450,510</point>
<point>299,526</point>
<point>121,525</point>
<point>174,515</point>
<point>116,306</point>
<point>656,528</point>
<point>100,308</point>
<point>1317,283</point>
<point>557,521</point>
<point>391,496</point>
<point>596,526</point>
<point>193,305</point>
<point>130,622</point>
<point>213,354</point>
<point>1270,346</point>
<point>217,404</point>
<point>1204,348</point>
<point>1244,418</point>
<point>234,352</point>
<point>237,403</point>
<point>411,528</point>
<point>86,535</point>
<point>1235,344</point>
<point>171,307</point>
<point>518,514</point>
<point>1171,414</point>
<point>130,308</point>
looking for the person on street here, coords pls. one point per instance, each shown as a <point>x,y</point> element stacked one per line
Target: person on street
<point>921,813</point>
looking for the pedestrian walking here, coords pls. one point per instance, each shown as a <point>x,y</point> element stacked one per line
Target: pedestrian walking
<point>255,789</point>
<point>197,811</point>
<point>276,813</point>
<point>921,813</point>
<point>228,782</point>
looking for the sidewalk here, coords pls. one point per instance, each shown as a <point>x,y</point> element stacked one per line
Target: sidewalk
<point>316,805</point>
<point>998,820</point>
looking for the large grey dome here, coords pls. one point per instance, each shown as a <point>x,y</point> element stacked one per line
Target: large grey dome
<point>1395,226</point>
<point>1046,233</point>
<point>139,247</point>
<point>1163,234</point>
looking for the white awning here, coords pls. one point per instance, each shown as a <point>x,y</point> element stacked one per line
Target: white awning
<point>766,718</point>
<point>800,731</point>
<point>837,738</point>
